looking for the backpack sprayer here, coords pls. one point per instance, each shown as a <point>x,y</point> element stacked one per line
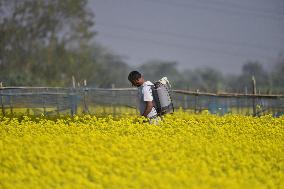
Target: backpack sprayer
<point>162,96</point>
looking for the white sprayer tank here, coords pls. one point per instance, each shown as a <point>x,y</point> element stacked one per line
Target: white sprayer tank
<point>163,88</point>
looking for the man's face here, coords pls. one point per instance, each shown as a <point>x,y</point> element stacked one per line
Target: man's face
<point>137,82</point>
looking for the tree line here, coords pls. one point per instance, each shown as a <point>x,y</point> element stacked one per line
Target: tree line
<point>49,42</point>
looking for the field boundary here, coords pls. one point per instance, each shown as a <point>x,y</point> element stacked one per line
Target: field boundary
<point>91,100</point>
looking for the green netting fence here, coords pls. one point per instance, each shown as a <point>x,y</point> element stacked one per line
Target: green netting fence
<point>55,101</point>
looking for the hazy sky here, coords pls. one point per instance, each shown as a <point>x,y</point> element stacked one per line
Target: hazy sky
<point>222,34</point>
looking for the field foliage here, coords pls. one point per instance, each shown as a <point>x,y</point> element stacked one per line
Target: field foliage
<point>183,151</point>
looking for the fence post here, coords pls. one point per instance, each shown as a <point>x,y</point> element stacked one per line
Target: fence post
<point>238,105</point>
<point>112,103</point>
<point>185,104</point>
<point>196,101</point>
<point>72,96</point>
<point>85,109</point>
<point>73,81</point>
<point>57,102</point>
<point>253,98</point>
<point>73,102</point>
<point>11,103</point>
<point>2,105</point>
<point>43,104</point>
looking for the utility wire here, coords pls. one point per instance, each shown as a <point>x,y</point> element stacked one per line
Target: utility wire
<point>234,11</point>
<point>187,36</point>
<point>182,46</point>
<point>231,5</point>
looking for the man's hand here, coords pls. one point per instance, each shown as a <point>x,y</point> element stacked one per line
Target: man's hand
<point>149,106</point>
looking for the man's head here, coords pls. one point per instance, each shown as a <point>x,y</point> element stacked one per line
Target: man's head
<point>136,78</point>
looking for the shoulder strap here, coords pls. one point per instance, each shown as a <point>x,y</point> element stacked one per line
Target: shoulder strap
<point>156,99</point>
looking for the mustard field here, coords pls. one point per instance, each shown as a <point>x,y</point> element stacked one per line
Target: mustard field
<point>183,151</point>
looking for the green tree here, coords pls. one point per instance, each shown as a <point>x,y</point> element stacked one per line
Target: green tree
<point>204,79</point>
<point>277,76</point>
<point>113,71</point>
<point>244,81</point>
<point>156,69</point>
<point>38,38</point>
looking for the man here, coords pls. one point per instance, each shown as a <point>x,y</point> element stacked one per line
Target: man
<point>146,104</point>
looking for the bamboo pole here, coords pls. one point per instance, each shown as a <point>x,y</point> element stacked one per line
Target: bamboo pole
<point>254,97</point>
<point>2,105</point>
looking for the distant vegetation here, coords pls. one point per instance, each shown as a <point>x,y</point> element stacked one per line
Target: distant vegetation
<point>45,43</point>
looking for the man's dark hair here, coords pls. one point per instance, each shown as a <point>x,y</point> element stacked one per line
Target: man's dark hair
<point>134,75</point>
